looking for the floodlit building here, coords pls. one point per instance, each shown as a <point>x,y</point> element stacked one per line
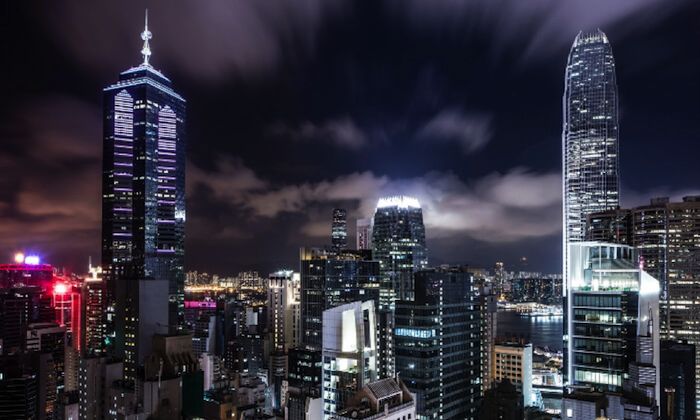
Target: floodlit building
<point>349,353</point>
<point>611,341</point>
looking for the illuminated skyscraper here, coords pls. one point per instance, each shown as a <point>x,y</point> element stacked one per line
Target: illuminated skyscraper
<point>437,342</point>
<point>143,207</point>
<point>339,229</point>
<point>398,243</point>
<point>590,135</point>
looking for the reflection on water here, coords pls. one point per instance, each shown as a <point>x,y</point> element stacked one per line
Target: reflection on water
<point>541,331</point>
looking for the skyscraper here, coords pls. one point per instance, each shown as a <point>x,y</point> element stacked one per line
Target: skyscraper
<point>398,243</point>
<point>339,229</point>
<point>437,343</point>
<point>349,352</point>
<point>330,279</point>
<point>143,207</point>
<point>590,135</point>
<point>611,303</point>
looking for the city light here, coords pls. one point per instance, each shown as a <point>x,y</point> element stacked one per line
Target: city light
<point>31,260</point>
<point>19,258</point>
<point>60,288</point>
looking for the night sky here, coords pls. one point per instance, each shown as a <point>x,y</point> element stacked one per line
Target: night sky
<point>295,107</point>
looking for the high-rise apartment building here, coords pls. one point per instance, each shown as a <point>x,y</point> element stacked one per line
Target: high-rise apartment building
<point>513,361</point>
<point>143,208</point>
<point>339,229</point>
<point>590,155</point>
<point>283,325</point>
<point>437,344</point>
<point>93,331</point>
<point>349,354</point>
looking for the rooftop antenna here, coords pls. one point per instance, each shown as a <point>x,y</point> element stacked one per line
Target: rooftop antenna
<point>146,36</point>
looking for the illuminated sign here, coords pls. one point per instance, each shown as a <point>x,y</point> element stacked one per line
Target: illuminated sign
<point>31,260</point>
<point>412,332</point>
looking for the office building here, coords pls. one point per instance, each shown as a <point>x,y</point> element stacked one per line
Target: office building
<point>339,229</point>
<point>608,295</point>
<point>590,135</point>
<point>143,209</point>
<point>437,343</point>
<point>613,226</point>
<point>677,386</point>
<point>513,361</point>
<point>666,236</point>
<point>385,399</point>
<point>349,353</point>
<point>398,243</point>
<point>330,279</point>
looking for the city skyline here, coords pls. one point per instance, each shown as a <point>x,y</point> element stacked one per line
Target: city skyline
<point>405,201</point>
<point>240,193</point>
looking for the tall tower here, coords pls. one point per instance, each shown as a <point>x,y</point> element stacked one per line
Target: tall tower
<point>589,143</point>
<point>398,243</point>
<point>143,208</point>
<point>590,135</point>
<point>339,229</point>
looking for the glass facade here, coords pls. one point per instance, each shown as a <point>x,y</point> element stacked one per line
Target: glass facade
<point>398,243</point>
<point>610,299</point>
<point>330,279</point>
<point>437,344</point>
<point>143,202</point>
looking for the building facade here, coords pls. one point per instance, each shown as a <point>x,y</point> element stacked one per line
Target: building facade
<point>666,235</point>
<point>590,155</point>
<point>437,344</point>
<point>611,301</point>
<point>513,361</point>
<point>143,208</point>
<point>339,229</point>
<point>349,353</point>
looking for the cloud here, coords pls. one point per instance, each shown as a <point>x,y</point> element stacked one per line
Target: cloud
<point>471,132</point>
<point>208,40</point>
<point>50,189</point>
<point>342,132</point>
<point>505,207</point>
<point>537,27</point>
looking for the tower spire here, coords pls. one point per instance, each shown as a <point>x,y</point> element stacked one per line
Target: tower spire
<point>146,36</point>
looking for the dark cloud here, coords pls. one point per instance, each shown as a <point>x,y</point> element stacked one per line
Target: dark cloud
<point>470,131</point>
<point>206,40</point>
<point>50,200</point>
<point>538,27</point>
<point>342,132</point>
<point>295,107</point>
